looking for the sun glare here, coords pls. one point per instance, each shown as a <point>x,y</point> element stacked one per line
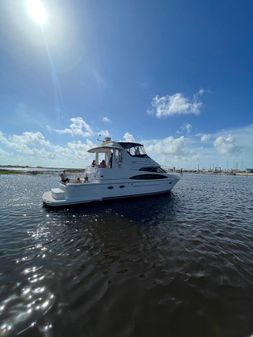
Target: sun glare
<point>37,11</point>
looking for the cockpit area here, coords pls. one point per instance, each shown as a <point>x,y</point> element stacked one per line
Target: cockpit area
<point>112,154</point>
<point>107,156</point>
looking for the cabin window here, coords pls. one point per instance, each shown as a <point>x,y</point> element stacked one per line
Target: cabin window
<point>110,187</point>
<point>149,176</point>
<point>122,186</point>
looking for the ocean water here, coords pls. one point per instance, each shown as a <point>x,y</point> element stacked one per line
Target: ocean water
<point>176,265</point>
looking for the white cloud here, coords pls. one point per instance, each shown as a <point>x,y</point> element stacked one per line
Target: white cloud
<point>32,148</point>
<point>205,138</point>
<point>106,119</point>
<point>176,104</point>
<point>35,138</point>
<point>187,128</point>
<point>229,146</point>
<point>31,144</point>
<point>172,151</point>
<point>27,142</point>
<point>78,127</point>
<point>128,137</point>
<point>225,144</point>
<point>79,149</point>
<point>167,146</point>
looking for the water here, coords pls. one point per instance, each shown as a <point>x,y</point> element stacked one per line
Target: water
<point>176,266</point>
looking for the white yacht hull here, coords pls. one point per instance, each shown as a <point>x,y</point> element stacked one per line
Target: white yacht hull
<point>71,194</point>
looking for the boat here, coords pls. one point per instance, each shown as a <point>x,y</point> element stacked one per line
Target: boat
<point>119,170</point>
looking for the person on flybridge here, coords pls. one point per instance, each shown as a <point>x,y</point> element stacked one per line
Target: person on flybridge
<point>64,178</point>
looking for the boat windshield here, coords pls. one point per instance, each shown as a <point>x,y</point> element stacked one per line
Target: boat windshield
<point>137,151</point>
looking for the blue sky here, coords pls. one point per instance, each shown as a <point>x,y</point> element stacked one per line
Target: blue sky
<point>175,75</point>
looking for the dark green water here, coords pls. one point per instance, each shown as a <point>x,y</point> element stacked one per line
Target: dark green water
<point>178,265</point>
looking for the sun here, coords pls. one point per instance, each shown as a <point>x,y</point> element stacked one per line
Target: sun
<point>37,11</point>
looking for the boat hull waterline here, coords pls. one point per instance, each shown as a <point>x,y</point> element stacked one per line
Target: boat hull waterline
<point>72,194</point>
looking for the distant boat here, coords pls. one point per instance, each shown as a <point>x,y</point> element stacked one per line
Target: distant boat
<point>119,170</point>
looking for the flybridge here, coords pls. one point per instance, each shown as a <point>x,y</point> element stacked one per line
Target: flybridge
<point>108,146</point>
<point>124,145</point>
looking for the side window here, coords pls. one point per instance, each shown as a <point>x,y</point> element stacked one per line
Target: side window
<point>149,176</point>
<point>152,169</point>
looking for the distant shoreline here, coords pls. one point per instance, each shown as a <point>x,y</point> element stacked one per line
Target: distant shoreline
<point>32,170</point>
<point>42,170</point>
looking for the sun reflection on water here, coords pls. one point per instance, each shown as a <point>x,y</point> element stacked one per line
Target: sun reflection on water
<point>32,298</point>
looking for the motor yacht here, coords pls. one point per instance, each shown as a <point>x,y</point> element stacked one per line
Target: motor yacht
<point>119,170</point>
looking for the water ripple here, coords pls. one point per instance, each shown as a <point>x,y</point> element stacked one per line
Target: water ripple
<point>179,265</point>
